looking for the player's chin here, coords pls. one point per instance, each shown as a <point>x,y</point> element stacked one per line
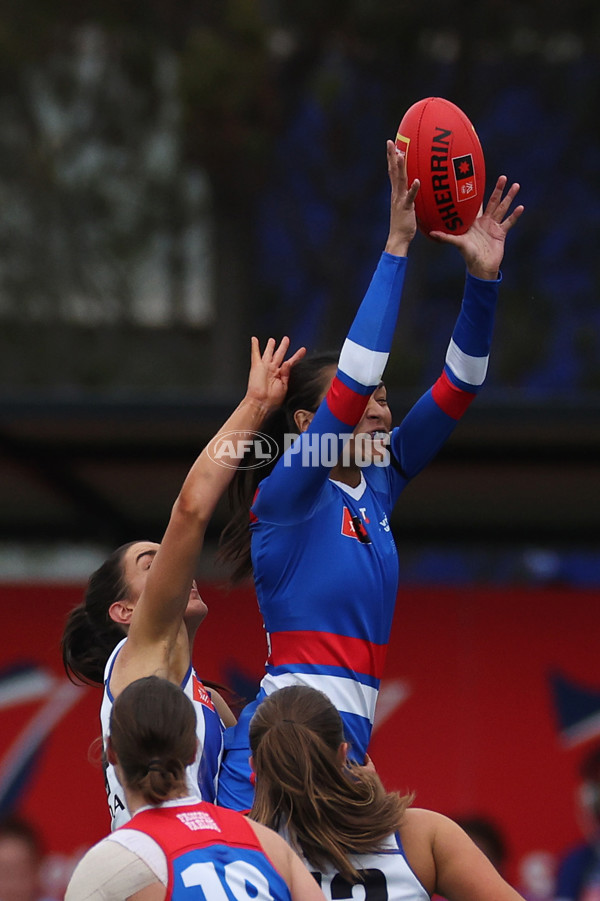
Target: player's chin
<point>372,457</point>
<point>379,456</point>
<point>196,608</point>
<point>362,455</point>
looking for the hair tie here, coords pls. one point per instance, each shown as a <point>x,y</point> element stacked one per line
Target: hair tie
<point>155,765</point>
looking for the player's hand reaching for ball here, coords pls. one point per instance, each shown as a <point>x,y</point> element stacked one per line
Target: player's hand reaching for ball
<point>482,246</point>
<point>270,372</point>
<point>403,222</point>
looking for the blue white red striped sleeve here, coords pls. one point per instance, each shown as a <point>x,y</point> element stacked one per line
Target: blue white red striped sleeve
<point>431,421</point>
<point>291,490</point>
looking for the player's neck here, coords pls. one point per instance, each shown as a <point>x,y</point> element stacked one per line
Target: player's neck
<point>347,475</point>
<point>136,801</point>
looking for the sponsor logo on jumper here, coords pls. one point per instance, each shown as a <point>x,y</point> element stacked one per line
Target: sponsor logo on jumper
<point>199,693</point>
<point>354,526</point>
<point>197,819</point>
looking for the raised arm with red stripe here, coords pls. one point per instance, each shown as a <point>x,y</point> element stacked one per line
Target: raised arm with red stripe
<point>365,352</point>
<point>430,422</point>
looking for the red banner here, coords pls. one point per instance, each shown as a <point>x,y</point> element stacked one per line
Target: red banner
<point>489,699</point>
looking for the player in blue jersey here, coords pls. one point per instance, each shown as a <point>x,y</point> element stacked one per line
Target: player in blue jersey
<point>176,846</point>
<point>142,609</point>
<point>324,560</point>
<point>358,839</point>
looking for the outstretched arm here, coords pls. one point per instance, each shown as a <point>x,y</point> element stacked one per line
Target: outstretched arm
<point>361,364</point>
<point>430,422</point>
<point>158,615</point>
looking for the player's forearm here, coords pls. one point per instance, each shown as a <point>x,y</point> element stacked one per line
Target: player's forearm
<point>366,349</point>
<point>431,421</point>
<point>362,361</point>
<point>213,470</point>
<point>468,352</point>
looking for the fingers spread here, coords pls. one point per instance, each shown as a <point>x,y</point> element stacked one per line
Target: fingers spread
<point>281,351</point>
<point>254,350</point>
<point>268,352</point>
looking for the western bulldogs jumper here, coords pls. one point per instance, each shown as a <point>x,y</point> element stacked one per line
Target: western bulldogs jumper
<point>195,850</point>
<point>211,853</point>
<point>201,774</point>
<point>325,562</point>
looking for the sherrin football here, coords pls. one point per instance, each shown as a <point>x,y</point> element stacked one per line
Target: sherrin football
<point>443,152</point>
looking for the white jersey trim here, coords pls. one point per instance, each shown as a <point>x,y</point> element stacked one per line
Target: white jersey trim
<point>356,492</point>
<point>361,364</point>
<point>471,370</point>
<point>348,695</point>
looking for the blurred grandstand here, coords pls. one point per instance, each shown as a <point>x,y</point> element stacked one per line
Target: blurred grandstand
<point>174,180</point>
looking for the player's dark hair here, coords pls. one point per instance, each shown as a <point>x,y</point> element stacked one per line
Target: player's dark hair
<point>329,812</point>
<point>90,635</point>
<point>153,735</point>
<point>307,383</point>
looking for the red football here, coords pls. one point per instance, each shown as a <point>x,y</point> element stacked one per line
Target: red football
<point>443,152</point>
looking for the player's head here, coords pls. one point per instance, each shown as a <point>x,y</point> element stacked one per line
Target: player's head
<point>95,626</point>
<point>129,576</point>
<point>20,860</point>
<point>90,633</point>
<point>331,809</point>
<point>312,716</point>
<point>309,382</point>
<point>152,738</point>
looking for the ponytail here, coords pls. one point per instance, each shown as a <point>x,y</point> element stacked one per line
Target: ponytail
<point>90,635</point>
<point>85,648</point>
<point>330,812</point>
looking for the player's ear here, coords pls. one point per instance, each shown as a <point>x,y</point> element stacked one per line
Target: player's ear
<point>110,752</point>
<point>251,762</point>
<point>120,611</point>
<point>303,419</point>
<point>343,753</point>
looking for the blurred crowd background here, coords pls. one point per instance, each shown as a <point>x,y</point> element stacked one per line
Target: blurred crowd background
<point>166,164</point>
<point>176,177</point>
